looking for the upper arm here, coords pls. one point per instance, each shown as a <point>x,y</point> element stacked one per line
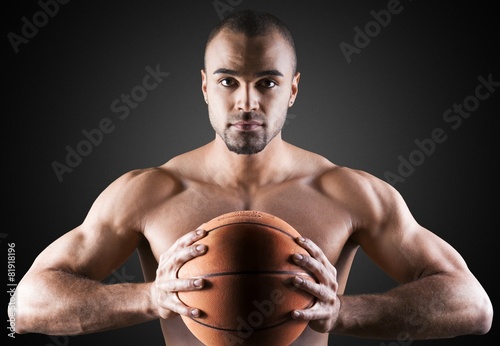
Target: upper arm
<point>108,235</point>
<point>392,238</point>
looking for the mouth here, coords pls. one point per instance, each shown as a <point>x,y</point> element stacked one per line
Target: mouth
<point>247,125</point>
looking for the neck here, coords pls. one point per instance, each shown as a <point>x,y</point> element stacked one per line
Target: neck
<point>248,171</point>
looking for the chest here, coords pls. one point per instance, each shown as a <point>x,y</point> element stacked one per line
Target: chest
<point>313,214</point>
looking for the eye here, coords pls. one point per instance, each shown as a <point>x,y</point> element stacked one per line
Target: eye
<point>268,83</point>
<point>227,82</point>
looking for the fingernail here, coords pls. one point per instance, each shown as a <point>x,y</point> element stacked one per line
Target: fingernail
<point>298,257</point>
<point>302,239</point>
<point>200,248</point>
<point>295,314</point>
<point>195,312</point>
<point>298,281</point>
<point>199,232</point>
<point>198,283</point>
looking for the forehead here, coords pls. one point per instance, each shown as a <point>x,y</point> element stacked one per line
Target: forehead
<point>238,52</point>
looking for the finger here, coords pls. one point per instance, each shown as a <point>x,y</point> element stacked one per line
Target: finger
<point>313,249</point>
<point>316,252</point>
<point>322,292</point>
<point>175,305</point>
<point>188,253</point>
<point>202,226</point>
<point>311,314</point>
<point>181,285</point>
<point>314,266</point>
<point>197,234</point>
<point>168,269</point>
<point>184,241</point>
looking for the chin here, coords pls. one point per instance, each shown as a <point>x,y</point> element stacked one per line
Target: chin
<point>245,150</point>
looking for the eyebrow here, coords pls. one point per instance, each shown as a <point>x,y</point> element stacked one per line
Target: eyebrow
<point>258,74</point>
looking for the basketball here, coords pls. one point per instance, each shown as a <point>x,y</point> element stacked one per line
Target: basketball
<point>248,295</point>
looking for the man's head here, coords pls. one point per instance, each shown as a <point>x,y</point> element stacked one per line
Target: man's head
<point>254,23</point>
<point>249,79</point>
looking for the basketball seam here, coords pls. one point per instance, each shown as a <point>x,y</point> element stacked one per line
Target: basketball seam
<point>255,272</point>
<point>252,223</point>
<point>311,303</point>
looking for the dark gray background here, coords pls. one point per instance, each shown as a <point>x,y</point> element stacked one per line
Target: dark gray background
<point>362,115</point>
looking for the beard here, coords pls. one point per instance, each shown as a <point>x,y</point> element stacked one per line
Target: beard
<point>248,142</point>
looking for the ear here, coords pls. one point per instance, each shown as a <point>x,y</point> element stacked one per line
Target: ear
<point>294,89</point>
<point>204,85</point>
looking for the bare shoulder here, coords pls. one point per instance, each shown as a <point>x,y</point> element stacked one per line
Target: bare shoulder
<point>128,199</point>
<point>365,195</point>
<point>151,182</point>
<point>334,179</point>
<point>371,201</point>
<point>146,187</point>
<point>350,180</point>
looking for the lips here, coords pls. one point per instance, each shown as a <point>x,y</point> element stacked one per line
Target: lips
<point>247,125</point>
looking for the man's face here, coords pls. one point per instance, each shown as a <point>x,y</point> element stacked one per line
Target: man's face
<point>249,83</point>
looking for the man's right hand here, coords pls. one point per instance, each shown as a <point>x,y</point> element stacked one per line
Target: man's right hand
<point>166,285</point>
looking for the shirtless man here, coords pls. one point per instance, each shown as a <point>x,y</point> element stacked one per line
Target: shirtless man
<point>249,81</point>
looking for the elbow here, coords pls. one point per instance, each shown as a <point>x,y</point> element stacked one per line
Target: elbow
<point>26,312</point>
<point>18,313</point>
<point>483,318</point>
<point>19,326</point>
<point>476,313</point>
<point>12,327</point>
<point>37,307</point>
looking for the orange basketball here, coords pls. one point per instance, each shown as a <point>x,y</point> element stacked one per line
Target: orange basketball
<point>248,296</point>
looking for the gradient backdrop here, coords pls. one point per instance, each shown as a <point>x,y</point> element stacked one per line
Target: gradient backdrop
<point>366,114</point>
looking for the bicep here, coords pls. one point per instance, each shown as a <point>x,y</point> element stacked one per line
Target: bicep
<point>404,249</point>
<point>90,251</point>
<point>106,238</point>
<point>409,254</point>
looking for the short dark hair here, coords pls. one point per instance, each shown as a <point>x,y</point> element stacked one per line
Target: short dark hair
<point>254,23</point>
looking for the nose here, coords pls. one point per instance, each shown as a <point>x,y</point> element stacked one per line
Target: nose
<point>247,99</point>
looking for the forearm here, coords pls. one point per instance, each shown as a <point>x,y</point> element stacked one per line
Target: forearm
<point>59,303</point>
<point>423,309</point>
